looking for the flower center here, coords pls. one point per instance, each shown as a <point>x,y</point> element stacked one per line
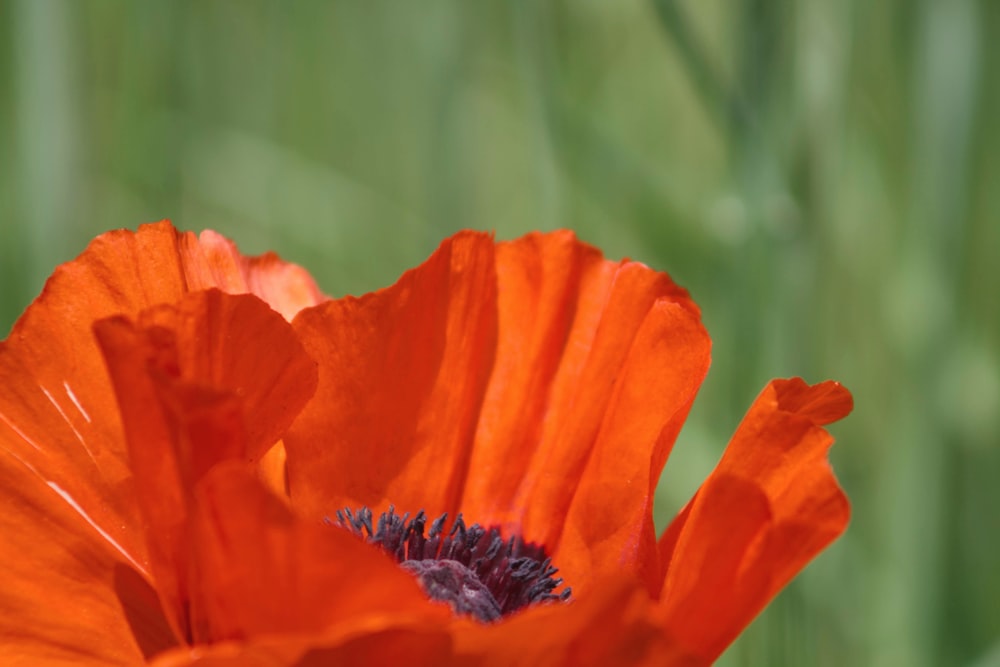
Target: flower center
<point>471,568</point>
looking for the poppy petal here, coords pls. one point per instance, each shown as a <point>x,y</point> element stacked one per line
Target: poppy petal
<point>58,415</point>
<point>68,597</point>
<point>559,322</point>
<point>568,320</point>
<point>260,570</point>
<point>769,507</point>
<point>212,260</point>
<point>229,343</point>
<point>365,644</point>
<point>214,377</point>
<point>613,625</point>
<point>552,291</point>
<point>156,456</point>
<point>402,376</point>
<point>595,360</point>
<point>609,525</point>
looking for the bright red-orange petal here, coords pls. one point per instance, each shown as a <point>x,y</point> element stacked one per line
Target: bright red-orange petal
<point>568,320</point>
<point>609,525</point>
<point>596,361</point>
<point>546,320</point>
<point>402,376</point>
<point>258,570</point>
<point>58,415</point>
<point>546,284</point>
<point>68,596</point>
<point>214,377</point>
<point>769,507</point>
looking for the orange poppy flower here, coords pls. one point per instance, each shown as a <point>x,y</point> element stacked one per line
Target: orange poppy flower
<point>181,425</point>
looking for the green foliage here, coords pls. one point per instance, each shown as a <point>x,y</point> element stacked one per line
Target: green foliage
<point>821,174</point>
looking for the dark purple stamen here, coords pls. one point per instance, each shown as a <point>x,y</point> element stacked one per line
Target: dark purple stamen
<point>471,568</point>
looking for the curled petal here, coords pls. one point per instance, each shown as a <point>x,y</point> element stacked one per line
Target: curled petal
<point>769,507</point>
<point>609,524</point>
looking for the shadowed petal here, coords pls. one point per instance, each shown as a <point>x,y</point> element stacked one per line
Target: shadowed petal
<point>232,344</point>
<point>769,507</point>
<point>215,377</point>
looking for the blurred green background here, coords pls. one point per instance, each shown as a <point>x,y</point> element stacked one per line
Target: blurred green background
<point>821,174</point>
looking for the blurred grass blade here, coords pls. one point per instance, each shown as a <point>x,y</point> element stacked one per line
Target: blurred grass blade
<point>723,104</point>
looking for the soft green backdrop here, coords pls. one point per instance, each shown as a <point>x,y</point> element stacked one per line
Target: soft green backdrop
<point>821,174</point>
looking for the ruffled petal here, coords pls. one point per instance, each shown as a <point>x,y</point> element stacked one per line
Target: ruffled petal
<point>69,597</point>
<point>213,378</point>
<point>552,291</point>
<point>769,507</point>
<point>402,376</point>
<point>609,525</point>
<point>58,415</point>
<point>597,364</point>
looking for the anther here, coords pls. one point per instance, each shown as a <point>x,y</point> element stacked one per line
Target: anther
<point>471,568</point>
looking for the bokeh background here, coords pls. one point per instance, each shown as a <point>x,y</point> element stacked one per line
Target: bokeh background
<point>821,174</point>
